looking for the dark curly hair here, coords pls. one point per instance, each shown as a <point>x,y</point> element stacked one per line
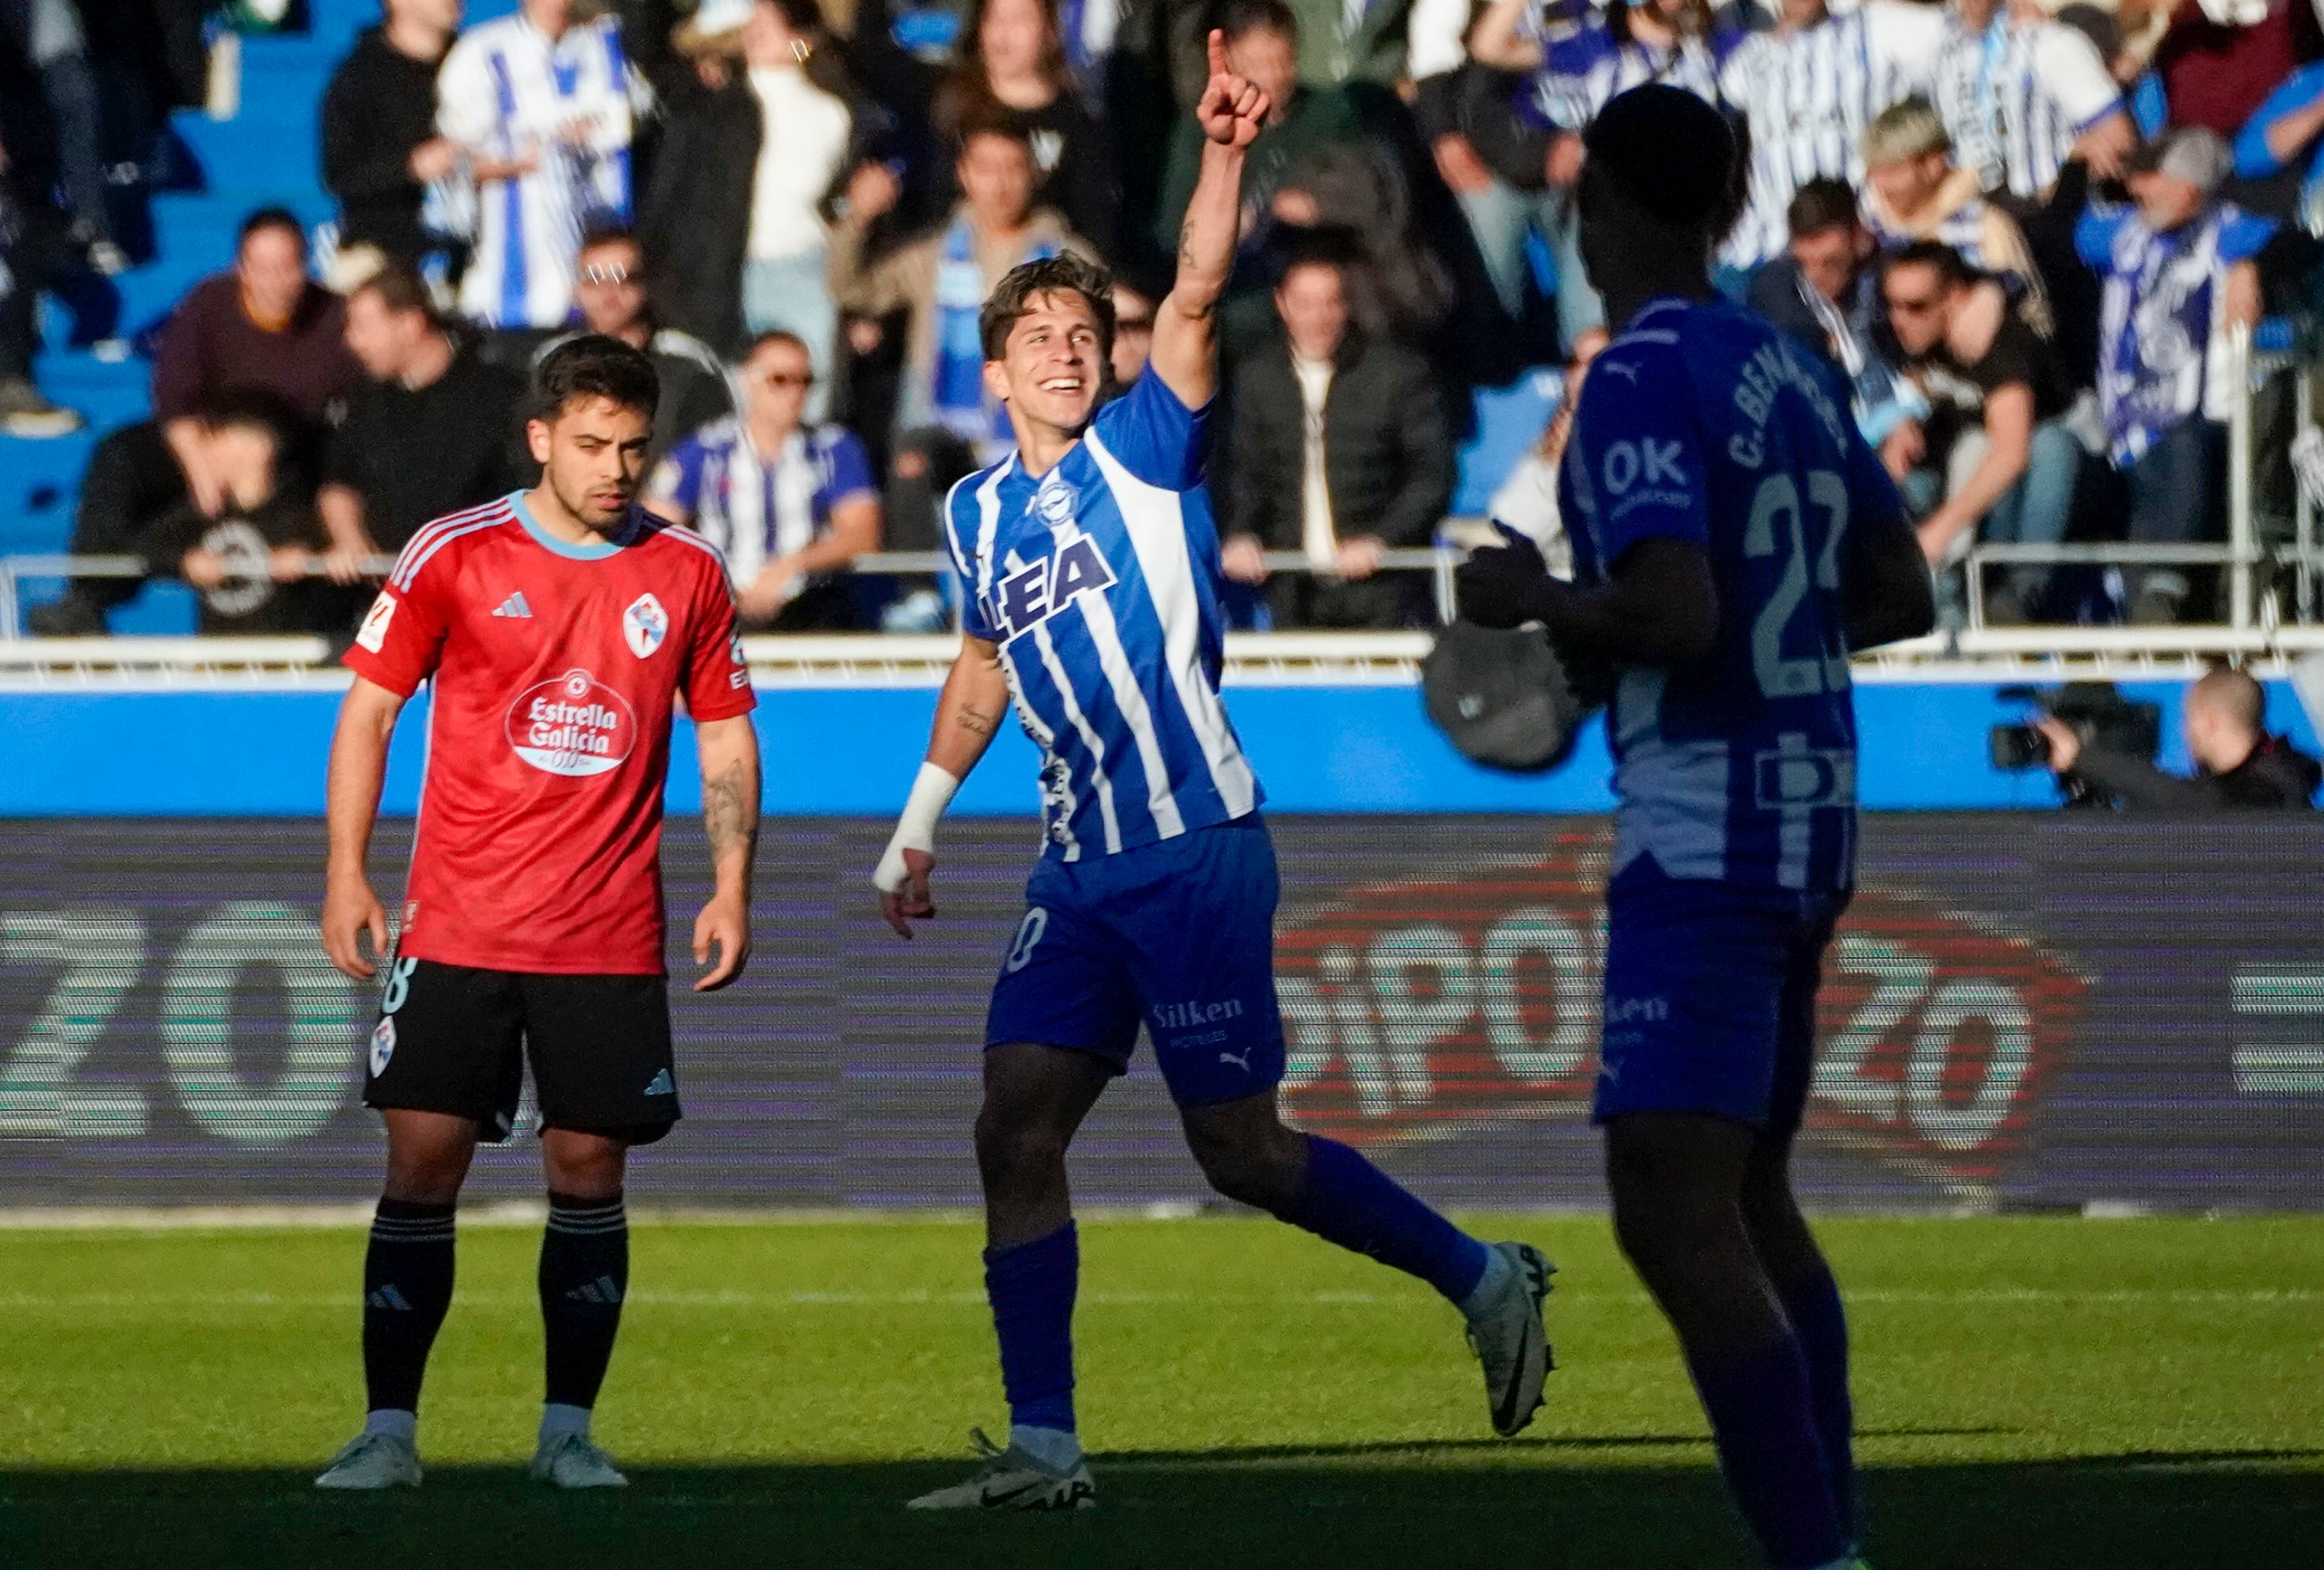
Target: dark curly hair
<point>1065,273</point>
<point>593,365</point>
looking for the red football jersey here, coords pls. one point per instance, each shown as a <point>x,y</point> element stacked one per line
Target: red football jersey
<point>555,667</point>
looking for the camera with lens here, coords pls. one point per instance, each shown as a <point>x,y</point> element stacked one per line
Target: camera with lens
<point>2095,711</point>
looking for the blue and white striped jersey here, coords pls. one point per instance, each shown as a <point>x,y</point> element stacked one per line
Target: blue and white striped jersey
<point>1578,75</point>
<point>758,507</point>
<point>1098,581</point>
<point>1702,423</point>
<point>507,90</point>
<point>1807,96</point>
<point>2016,96</point>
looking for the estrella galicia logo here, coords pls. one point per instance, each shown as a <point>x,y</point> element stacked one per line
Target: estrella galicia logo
<point>1031,595</point>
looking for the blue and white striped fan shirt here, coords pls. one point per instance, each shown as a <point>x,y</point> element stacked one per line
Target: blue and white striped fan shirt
<point>2018,96</point>
<point>1098,581</point>
<point>508,89</point>
<point>1807,97</point>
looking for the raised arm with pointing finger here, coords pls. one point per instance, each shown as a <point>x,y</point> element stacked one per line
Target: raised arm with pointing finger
<point>1054,355</point>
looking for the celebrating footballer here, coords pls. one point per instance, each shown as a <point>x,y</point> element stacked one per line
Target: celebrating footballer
<point>558,629</point>
<point>1091,570</point>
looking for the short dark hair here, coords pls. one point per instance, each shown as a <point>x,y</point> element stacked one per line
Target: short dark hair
<point>1063,273</point>
<point>1822,203</point>
<point>399,290</point>
<point>1671,159</point>
<point>246,409</point>
<point>609,232</point>
<point>1934,254</point>
<point>1238,17</point>
<point>593,365</point>
<point>991,120</point>
<point>271,219</point>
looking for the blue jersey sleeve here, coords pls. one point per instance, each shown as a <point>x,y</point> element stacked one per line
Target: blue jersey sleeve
<point>1154,436</point>
<point>846,470</point>
<point>2094,235</point>
<point>2254,160</point>
<point>960,528</point>
<point>1636,467</point>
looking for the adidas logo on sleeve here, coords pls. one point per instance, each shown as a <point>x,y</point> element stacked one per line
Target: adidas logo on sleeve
<point>513,606</point>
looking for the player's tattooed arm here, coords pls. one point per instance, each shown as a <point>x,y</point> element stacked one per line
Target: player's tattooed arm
<point>968,711</point>
<point>729,750</point>
<point>1232,112</point>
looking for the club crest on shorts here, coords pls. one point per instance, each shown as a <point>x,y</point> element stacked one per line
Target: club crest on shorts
<point>644,625</point>
<point>383,1047</point>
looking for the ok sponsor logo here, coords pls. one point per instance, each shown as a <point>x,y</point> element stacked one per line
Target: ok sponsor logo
<point>1031,595</point>
<point>1413,1007</point>
<point>572,724</point>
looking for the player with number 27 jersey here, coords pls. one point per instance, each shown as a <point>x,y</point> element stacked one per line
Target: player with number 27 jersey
<point>1702,424</point>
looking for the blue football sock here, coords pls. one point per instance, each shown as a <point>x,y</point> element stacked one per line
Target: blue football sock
<point>1348,1201</point>
<point>1031,1288</point>
<point>1813,1305</point>
<point>1760,1419</point>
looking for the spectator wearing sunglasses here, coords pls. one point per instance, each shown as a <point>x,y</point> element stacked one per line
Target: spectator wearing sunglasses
<point>610,296</point>
<point>790,505</point>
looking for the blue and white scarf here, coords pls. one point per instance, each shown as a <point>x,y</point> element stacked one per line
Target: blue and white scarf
<point>2158,316</point>
<point>959,401</point>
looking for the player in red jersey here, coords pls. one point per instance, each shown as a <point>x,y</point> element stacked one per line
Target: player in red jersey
<point>560,627</point>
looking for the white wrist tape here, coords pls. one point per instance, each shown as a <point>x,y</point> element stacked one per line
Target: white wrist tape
<point>932,793</point>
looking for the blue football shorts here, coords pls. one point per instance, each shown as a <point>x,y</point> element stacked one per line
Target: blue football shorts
<point>1178,935</point>
<point>1711,996</point>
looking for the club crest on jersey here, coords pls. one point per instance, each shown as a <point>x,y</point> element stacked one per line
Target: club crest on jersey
<point>572,724</point>
<point>1031,595</point>
<point>383,1047</point>
<point>1055,502</point>
<point>644,625</point>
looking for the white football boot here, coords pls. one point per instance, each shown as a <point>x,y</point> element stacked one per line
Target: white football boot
<point>1512,1340</point>
<point>572,1460</point>
<point>371,1462</point>
<point>1014,1480</point>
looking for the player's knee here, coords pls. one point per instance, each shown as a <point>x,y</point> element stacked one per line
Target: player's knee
<point>1250,1167</point>
<point>1013,1149</point>
<point>424,1176</point>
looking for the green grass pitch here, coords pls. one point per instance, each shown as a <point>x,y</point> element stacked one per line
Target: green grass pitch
<point>2032,1393</point>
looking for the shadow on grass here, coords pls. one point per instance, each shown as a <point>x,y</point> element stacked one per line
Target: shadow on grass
<point>1349,1508</point>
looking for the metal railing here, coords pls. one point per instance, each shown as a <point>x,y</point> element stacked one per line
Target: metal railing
<point>1438,561</point>
<point>2240,556</point>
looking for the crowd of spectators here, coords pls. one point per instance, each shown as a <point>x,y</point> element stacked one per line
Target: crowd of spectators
<point>2021,238</point>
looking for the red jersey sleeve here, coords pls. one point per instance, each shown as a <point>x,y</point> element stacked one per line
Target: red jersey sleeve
<point>403,634</point>
<point>718,675</point>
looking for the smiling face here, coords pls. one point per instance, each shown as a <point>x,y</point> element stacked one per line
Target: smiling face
<point>1906,184</point>
<point>593,457</point>
<point>1053,364</point>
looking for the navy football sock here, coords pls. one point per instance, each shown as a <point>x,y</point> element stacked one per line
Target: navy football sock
<point>1031,1286</point>
<point>1760,1419</point>
<point>1348,1201</point>
<point>407,1287</point>
<point>1811,1303</point>
<point>585,1274</point>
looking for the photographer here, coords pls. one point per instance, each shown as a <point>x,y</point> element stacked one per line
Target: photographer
<point>2237,764</point>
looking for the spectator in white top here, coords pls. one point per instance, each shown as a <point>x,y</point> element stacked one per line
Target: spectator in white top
<point>1807,88</point>
<point>544,107</point>
<point>803,147</point>
<point>790,503</point>
<point>2021,95</point>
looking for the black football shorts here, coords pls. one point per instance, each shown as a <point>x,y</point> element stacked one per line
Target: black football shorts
<point>453,1038</point>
